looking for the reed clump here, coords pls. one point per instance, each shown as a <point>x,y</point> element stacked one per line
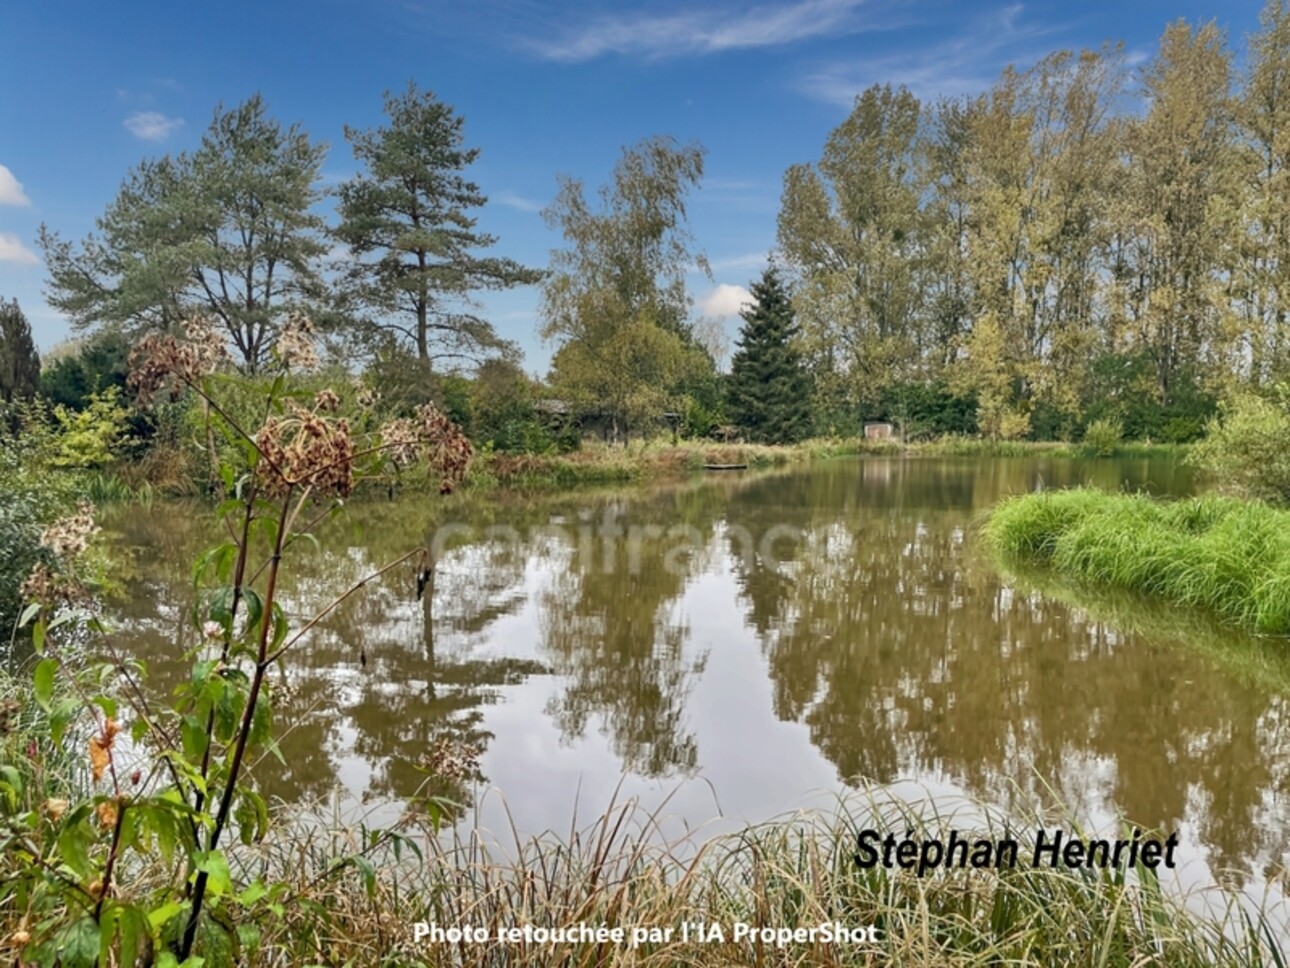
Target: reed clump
<point>795,873</point>
<point>1226,556</point>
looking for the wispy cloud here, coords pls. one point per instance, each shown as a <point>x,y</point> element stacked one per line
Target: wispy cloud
<point>966,62</point>
<point>512,200</point>
<point>689,32</point>
<point>748,260</point>
<point>725,300</point>
<point>11,192</point>
<point>152,125</point>
<point>13,251</point>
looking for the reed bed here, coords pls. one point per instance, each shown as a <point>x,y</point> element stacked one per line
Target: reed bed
<point>797,872</point>
<point>1224,555</point>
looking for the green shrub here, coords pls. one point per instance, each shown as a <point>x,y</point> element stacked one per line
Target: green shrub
<point>1102,438</point>
<point>1248,447</point>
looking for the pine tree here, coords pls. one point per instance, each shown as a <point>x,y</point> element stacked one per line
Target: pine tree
<point>408,220</point>
<point>769,391</point>
<point>19,361</point>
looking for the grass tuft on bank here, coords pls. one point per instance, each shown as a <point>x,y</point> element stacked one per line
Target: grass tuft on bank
<point>1224,555</point>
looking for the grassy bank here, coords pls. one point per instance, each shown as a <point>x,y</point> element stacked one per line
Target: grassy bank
<point>659,459</point>
<point>784,876</point>
<point>1227,556</point>
<point>981,447</point>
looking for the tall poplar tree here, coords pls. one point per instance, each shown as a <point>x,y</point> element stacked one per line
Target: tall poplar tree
<point>769,392</point>
<point>849,227</point>
<point>409,221</point>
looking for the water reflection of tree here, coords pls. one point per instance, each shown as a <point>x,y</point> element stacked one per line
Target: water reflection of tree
<point>613,626</point>
<point>906,656</point>
<point>382,677</point>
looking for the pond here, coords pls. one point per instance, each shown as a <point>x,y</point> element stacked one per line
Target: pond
<point>746,645</point>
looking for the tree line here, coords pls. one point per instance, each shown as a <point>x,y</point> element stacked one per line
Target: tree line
<point>1084,240</point>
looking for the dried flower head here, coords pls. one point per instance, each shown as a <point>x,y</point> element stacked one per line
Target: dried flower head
<point>430,436</point>
<point>295,344</point>
<point>399,438</point>
<point>366,397</point>
<point>70,537</point>
<point>326,401</point>
<point>305,449</point>
<point>164,362</point>
<point>452,759</point>
<point>9,710</point>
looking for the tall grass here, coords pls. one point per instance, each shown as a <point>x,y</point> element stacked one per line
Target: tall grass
<point>1224,555</point>
<point>798,872</point>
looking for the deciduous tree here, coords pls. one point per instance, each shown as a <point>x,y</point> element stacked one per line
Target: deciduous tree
<point>616,299</point>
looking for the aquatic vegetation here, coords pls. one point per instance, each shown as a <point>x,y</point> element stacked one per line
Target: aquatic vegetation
<point>1224,555</point>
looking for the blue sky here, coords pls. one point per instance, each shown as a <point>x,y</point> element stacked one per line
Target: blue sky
<point>90,89</point>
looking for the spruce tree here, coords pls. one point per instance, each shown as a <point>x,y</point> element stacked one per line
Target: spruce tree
<point>769,390</point>
<point>19,361</point>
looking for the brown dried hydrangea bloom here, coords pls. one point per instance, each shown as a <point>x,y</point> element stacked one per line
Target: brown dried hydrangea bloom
<point>164,362</point>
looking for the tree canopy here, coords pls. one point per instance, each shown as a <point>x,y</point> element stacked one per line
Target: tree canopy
<point>768,393</point>
<point>407,220</point>
<point>19,361</point>
<point>615,299</point>
<point>227,231</point>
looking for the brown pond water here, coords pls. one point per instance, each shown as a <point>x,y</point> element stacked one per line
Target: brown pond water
<point>748,645</point>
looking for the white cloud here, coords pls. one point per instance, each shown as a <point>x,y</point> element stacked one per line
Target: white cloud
<point>702,31</point>
<point>512,200</point>
<point>12,250</point>
<point>152,125</point>
<point>965,63</point>
<point>725,300</point>
<point>749,260</point>
<point>11,192</point>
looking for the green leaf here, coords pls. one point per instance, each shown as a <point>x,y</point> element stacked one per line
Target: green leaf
<point>192,732</point>
<point>78,944</point>
<point>74,843</point>
<point>128,923</point>
<point>107,704</point>
<point>61,717</point>
<point>280,627</point>
<point>28,613</point>
<point>368,872</point>
<point>213,863</point>
<point>43,682</point>
<point>220,607</point>
<point>162,915</point>
<point>254,607</point>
